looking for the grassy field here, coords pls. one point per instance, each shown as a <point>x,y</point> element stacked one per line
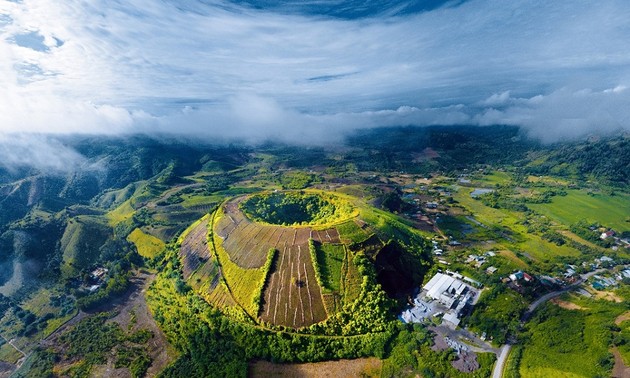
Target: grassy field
<point>510,256</point>
<point>121,213</point>
<point>516,237</point>
<point>148,246</point>
<point>610,211</point>
<point>351,280</point>
<point>349,231</point>
<point>496,177</point>
<point>9,354</point>
<point>547,180</point>
<point>330,259</point>
<point>197,200</point>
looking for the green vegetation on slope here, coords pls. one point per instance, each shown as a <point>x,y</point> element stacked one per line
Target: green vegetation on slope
<point>349,231</point>
<point>571,343</point>
<point>81,243</point>
<point>498,313</point>
<point>330,259</point>
<point>214,345</point>
<point>147,245</point>
<point>295,208</point>
<point>622,341</point>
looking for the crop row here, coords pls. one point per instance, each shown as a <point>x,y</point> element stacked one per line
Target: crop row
<point>194,249</point>
<point>293,298</point>
<point>247,243</point>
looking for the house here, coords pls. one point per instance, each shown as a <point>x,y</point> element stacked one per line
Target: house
<point>527,277</point>
<point>607,234</point>
<point>491,270</point>
<point>598,286</point>
<point>517,276</point>
<point>98,273</point>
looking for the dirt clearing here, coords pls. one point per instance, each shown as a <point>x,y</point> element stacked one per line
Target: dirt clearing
<point>622,318</point>
<point>566,304</point>
<point>362,367</point>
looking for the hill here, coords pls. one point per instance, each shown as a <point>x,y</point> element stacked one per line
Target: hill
<point>294,259</point>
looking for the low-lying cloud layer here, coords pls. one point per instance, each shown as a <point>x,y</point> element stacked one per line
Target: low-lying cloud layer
<point>212,68</point>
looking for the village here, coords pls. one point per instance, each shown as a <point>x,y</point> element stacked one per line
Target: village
<point>473,256</point>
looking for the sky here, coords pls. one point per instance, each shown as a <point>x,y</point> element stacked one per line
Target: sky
<point>312,71</point>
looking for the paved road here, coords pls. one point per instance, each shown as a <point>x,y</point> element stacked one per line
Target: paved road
<point>497,372</point>
<point>532,307</point>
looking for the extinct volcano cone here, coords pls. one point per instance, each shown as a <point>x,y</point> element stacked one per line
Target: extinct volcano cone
<point>287,258</point>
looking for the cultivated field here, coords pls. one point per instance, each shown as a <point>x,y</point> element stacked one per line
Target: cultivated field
<point>291,295</point>
<point>148,245</point>
<point>200,266</point>
<point>268,270</point>
<point>194,250</point>
<point>247,242</point>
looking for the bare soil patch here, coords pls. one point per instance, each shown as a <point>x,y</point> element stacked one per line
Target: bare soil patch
<point>620,370</point>
<point>622,318</point>
<point>6,369</point>
<point>362,367</point>
<point>567,305</point>
<point>607,295</point>
<point>134,315</point>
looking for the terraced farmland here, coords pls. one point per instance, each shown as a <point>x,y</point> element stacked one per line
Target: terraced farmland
<point>200,266</point>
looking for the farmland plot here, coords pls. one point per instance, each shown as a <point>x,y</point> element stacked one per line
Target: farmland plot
<point>330,235</point>
<point>201,268</point>
<point>194,250</point>
<point>247,242</point>
<point>293,298</point>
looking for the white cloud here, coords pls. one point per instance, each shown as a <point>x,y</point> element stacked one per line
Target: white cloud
<point>45,153</point>
<point>145,66</point>
<point>565,113</point>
